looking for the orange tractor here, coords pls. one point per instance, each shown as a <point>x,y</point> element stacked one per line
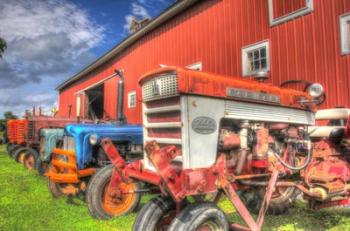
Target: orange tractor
<point>209,135</point>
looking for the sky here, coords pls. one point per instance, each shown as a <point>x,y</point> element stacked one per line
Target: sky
<point>49,41</point>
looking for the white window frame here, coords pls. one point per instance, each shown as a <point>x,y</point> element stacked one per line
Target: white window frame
<point>344,43</point>
<point>251,47</point>
<point>309,7</point>
<point>195,66</point>
<point>130,94</point>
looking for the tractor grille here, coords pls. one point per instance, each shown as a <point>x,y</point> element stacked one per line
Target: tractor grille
<point>162,111</point>
<point>160,87</point>
<point>11,130</point>
<point>30,130</point>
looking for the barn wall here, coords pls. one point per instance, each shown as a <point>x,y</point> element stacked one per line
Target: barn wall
<point>214,33</point>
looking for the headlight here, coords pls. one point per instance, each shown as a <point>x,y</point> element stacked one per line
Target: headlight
<point>315,90</point>
<point>94,139</point>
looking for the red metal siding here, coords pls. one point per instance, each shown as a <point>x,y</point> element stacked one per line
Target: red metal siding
<point>214,33</point>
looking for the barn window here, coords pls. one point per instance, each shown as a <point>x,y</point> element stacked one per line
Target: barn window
<point>284,10</point>
<point>132,99</point>
<point>255,58</point>
<point>195,66</point>
<point>345,33</point>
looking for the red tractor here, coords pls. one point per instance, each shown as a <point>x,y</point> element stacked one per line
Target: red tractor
<point>206,136</point>
<point>28,137</point>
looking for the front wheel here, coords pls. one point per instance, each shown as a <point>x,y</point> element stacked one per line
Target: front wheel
<point>41,166</point>
<point>156,215</point>
<point>12,150</point>
<point>30,159</point>
<point>19,154</point>
<point>55,189</point>
<point>9,146</point>
<point>103,204</point>
<point>204,216</point>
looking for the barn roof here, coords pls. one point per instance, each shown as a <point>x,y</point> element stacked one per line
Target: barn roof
<point>169,13</point>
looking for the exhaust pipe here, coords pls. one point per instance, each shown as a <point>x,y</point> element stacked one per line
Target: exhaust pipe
<point>120,110</point>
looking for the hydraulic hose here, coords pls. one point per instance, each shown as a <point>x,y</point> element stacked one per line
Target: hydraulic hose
<point>297,168</point>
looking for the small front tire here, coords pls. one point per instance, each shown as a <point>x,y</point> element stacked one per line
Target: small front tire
<point>41,166</point>
<point>19,154</point>
<point>156,215</point>
<point>30,159</point>
<point>55,189</point>
<point>12,150</point>
<point>203,216</point>
<point>102,204</point>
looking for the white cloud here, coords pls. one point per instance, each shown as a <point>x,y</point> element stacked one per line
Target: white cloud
<point>137,11</point>
<point>46,40</point>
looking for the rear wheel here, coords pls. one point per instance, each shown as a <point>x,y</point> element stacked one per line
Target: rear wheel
<point>30,159</point>
<point>200,217</point>
<point>19,154</point>
<point>282,199</point>
<point>156,215</point>
<point>104,204</point>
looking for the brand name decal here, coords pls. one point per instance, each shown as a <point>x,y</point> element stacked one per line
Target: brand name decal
<point>204,125</point>
<point>252,96</point>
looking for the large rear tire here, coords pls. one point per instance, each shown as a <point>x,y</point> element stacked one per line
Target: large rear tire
<point>203,216</point>
<point>282,199</point>
<point>19,154</point>
<point>156,215</point>
<point>30,159</point>
<point>102,204</point>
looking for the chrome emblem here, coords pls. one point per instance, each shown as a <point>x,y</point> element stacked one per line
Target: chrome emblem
<point>204,125</point>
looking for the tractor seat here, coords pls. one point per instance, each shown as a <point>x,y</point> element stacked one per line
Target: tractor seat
<point>333,114</point>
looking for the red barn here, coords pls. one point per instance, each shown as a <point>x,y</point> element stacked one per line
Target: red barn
<point>292,39</point>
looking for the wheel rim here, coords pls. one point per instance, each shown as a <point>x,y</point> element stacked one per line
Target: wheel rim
<point>118,205</point>
<point>209,225</point>
<point>29,162</point>
<point>21,157</point>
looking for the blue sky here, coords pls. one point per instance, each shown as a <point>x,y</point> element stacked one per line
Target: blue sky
<point>51,40</point>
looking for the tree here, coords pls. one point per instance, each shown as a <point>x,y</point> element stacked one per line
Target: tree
<point>3,46</point>
<point>9,115</point>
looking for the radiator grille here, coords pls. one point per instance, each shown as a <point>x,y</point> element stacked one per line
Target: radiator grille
<point>11,131</point>
<point>30,130</point>
<point>161,87</point>
<point>268,113</point>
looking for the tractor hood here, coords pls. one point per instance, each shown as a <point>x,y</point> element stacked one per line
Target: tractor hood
<point>118,133</point>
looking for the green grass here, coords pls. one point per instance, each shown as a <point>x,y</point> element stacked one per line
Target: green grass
<point>26,204</point>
